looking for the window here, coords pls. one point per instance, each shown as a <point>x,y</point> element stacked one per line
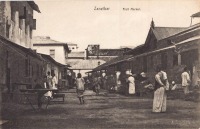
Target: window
<point>52,53</point>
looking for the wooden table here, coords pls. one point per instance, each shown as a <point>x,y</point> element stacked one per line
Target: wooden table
<point>40,93</point>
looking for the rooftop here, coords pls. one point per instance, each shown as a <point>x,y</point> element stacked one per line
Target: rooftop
<point>108,52</point>
<point>80,54</point>
<point>164,32</point>
<point>45,40</point>
<point>85,64</point>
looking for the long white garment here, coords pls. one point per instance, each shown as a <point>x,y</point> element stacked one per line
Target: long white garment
<point>131,81</point>
<point>159,101</point>
<point>54,82</point>
<point>185,78</point>
<point>49,81</point>
<point>49,93</point>
<point>160,98</point>
<point>166,79</point>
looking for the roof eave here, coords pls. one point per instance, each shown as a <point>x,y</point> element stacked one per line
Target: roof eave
<point>34,6</point>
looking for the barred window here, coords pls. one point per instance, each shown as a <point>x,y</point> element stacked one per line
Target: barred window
<point>52,53</point>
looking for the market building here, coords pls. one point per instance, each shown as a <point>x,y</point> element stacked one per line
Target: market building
<point>171,47</point>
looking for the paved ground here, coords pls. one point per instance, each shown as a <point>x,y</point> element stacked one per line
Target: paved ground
<point>103,111</point>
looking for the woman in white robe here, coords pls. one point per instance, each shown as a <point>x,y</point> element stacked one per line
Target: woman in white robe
<point>160,98</point>
<point>131,81</point>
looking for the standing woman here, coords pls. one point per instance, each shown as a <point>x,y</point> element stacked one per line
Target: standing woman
<point>80,88</point>
<point>160,98</point>
<point>131,82</point>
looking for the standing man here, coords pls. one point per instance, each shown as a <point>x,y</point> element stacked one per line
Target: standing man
<point>80,88</point>
<point>185,82</point>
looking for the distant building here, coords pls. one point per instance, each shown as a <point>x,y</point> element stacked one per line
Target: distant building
<point>73,47</point>
<point>82,66</point>
<point>57,50</point>
<point>171,47</point>
<point>16,21</point>
<point>60,70</point>
<point>94,51</point>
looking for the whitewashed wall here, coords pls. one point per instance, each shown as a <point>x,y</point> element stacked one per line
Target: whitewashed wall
<point>59,52</point>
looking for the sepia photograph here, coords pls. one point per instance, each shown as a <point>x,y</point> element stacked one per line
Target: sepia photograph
<point>100,64</point>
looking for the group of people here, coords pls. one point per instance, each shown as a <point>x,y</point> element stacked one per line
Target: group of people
<point>162,84</point>
<point>49,82</point>
<point>160,87</point>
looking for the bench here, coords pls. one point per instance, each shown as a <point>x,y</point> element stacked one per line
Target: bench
<point>59,95</point>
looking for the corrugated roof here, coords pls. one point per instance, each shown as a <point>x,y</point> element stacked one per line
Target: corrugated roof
<point>86,64</point>
<point>164,32</point>
<point>112,62</point>
<point>187,30</point>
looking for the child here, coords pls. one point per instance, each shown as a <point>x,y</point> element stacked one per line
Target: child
<point>174,86</point>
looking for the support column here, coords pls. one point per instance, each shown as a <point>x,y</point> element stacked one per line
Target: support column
<point>179,59</point>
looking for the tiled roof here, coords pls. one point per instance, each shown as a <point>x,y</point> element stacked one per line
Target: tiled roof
<point>164,32</point>
<point>45,40</point>
<point>108,52</point>
<point>85,64</point>
<point>77,54</point>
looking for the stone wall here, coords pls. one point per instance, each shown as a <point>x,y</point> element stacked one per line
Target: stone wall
<point>15,25</point>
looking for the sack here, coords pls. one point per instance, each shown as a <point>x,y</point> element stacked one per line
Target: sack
<point>174,87</point>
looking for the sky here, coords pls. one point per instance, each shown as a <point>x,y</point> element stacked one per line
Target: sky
<point>126,23</point>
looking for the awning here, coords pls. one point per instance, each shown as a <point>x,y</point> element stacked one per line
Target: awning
<point>196,15</point>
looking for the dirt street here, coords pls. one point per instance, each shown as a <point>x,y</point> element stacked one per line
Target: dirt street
<point>103,112</point>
